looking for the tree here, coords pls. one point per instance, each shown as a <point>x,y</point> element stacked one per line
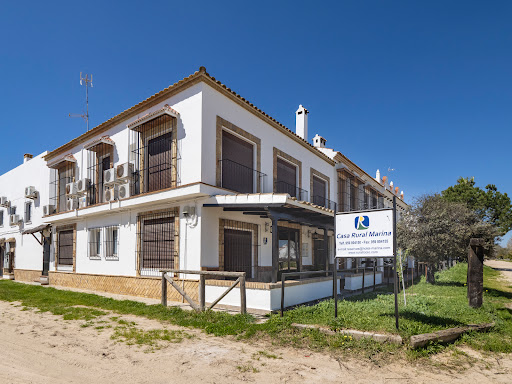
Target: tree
<point>436,229</point>
<point>490,205</point>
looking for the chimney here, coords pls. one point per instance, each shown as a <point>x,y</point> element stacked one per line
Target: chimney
<point>301,122</point>
<point>396,190</point>
<point>27,157</point>
<point>319,141</point>
<point>391,186</point>
<point>377,176</point>
<point>402,195</point>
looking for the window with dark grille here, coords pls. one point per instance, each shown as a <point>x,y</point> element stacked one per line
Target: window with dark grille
<point>286,181</point>
<point>65,247</point>
<point>28,212</point>
<point>112,243</point>
<point>354,196</point>
<point>319,191</point>
<point>95,243</point>
<point>58,180</point>
<point>159,163</point>
<point>237,164</point>
<point>1,218</point>
<point>238,251</point>
<point>157,247</point>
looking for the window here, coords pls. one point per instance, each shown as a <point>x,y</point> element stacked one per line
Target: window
<point>286,180</point>
<point>13,210</point>
<point>319,191</point>
<point>2,218</point>
<point>112,243</point>
<point>95,243</point>
<point>237,163</point>
<point>28,212</point>
<point>65,247</point>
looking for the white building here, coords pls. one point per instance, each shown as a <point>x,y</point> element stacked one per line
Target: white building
<point>193,178</point>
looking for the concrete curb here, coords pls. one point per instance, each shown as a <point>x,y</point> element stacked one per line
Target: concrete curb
<point>379,337</point>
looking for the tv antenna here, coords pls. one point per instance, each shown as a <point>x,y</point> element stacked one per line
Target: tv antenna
<point>391,169</point>
<point>88,83</point>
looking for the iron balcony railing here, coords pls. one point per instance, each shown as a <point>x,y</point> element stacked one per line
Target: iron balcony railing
<point>240,178</point>
<point>292,190</point>
<point>324,202</point>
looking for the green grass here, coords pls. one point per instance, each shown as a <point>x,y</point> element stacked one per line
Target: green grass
<point>431,307</point>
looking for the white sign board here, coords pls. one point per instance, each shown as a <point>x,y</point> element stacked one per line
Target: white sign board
<point>365,234</point>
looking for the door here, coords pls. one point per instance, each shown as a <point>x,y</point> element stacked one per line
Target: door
<point>103,165</point>
<point>237,164</point>
<point>65,253</point>
<point>318,252</point>
<point>65,175</point>
<point>238,251</point>
<point>159,160</point>
<point>1,261</point>
<point>286,178</point>
<point>46,255</point>
<point>288,250</point>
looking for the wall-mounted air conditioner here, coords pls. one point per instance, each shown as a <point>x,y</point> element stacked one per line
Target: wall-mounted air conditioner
<point>82,186</point>
<point>124,171</point>
<point>124,190</point>
<point>110,194</point>
<point>71,189</point>
<point>48,210</point>
<point>4,202</point>
<point>14,219</point>
<point>72,204</point>
<point>30,193</point>
<point>109,176</point>
<point>83,201</point>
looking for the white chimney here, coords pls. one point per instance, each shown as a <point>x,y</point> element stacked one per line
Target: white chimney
<point>391,186</point>
<point>377,176</point>
<point>301,122</point>
<point>27,157</point>
<point>319,141</point>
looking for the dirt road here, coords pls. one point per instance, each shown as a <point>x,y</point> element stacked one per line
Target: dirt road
<point>43,348</point>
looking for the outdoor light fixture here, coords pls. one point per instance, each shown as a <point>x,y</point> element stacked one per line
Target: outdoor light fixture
<point>267,225</point>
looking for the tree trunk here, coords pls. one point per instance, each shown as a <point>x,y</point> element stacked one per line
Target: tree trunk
<point>431,278</point>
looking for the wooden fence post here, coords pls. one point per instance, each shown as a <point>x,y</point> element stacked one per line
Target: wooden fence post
<point>476,273</point>
<point>202,292</point>
<point>164,290</point>
<point>243,305</point>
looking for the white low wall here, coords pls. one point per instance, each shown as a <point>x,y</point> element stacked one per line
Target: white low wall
<point>255,298</point>
<point>355,282</point>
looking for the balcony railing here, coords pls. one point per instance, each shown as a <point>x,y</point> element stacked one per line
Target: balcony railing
<point>324,202</point>
<point>292,190</point>
<point>240,178</point>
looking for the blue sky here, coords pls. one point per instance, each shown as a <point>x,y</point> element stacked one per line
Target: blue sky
<point>421,87</point>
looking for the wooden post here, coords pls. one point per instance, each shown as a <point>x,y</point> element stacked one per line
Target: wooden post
<point>364,269</point>
<point>282,293</point>
<point>243,303</point>
<point>476,273</point>
<point>202,292</point>
<point>335,286</point>
<point>164,290</point>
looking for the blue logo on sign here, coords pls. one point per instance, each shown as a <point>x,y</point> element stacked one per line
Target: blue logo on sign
<point>362,222</point>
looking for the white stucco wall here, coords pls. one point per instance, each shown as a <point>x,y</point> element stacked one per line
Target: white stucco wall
<point>29,253</point>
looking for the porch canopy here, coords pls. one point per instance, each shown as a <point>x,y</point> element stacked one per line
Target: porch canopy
<point>277,207</point>
<point>33,231</point>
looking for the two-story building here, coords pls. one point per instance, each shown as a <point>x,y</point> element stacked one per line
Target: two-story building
<point>197,178</point>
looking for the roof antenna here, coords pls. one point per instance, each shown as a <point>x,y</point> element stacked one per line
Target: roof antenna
<point>391,169</point>
<point>88,83</point>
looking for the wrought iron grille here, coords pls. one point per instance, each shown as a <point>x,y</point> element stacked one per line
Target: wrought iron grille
<point>324,202</point>
<point>292,190</point>
<point>240,178</point>
<point>158,238</point>
<point>94,244</point>
<point>65,246</point>
<point>59,178</point>
<point>100,158</point>
<point>154,154</point>
<point>112,242</point>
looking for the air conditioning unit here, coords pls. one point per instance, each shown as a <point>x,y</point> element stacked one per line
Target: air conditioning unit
<point>4,202</point>
<point>83,201</point>
<point>109,176</point>
<point>82,186</point>
<point>110,194</point>
<point>14,219</point>
<point>48,210</point>
<point>71,189</point>
<point>71,204</point>
<point>31,193</point>
<point>124,190</point>
<point>124,171</point>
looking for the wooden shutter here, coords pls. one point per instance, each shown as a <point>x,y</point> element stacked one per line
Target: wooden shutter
<point>65,254</point>
<point>286,178</point>
<point>159,163</point>
<point>319,193</point>
<point>237,164</point>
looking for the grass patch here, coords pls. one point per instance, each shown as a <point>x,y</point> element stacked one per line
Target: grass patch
<point>431,308</point>
<point>151,339</point>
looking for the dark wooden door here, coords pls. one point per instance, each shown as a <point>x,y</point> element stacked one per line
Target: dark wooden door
<point>159,160</point>
<point>46,255</point>
<point>319,252</point>
<point>158,243</point>
<point>1,261</point>
<point>65,254</point>
<point>238,251</point>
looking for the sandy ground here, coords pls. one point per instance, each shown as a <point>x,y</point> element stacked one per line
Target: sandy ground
<point>43,348</point>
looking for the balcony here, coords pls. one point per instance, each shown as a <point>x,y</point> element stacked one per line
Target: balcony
<point>240,178</point>
<point>323,202</point>
<point>292,190</point>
